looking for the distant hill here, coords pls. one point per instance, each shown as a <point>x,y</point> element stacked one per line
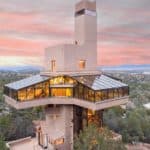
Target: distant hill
<point>138,68</point>
<point>26,69</point>
<point>20,69</point>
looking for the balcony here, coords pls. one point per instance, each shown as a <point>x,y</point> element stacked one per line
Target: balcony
<point>67,101</point>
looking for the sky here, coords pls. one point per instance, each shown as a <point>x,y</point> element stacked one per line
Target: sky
<point>27,27</point>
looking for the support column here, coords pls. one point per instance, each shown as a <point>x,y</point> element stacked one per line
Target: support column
<point>58,126</point>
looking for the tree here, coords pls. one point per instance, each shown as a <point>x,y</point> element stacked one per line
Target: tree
<point>133,126</point>
<point>91,139</point>
<point>2,144</point>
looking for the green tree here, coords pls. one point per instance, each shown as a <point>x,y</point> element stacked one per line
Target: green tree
<point>92,139</point>
<point>133,126</point>
<point>2,144</point>
<point>6,126</point>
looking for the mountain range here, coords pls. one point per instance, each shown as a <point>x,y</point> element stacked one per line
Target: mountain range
<point>145,67</point>
<point>22,69</point>
<point>31,68</point>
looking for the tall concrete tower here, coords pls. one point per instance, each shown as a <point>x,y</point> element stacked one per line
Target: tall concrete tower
<point>85,22</point>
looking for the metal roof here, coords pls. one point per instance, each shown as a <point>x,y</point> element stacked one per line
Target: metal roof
<point>100,82</point>
<point>27,82</point>
<point>105,82</point>
<point>95,82</point>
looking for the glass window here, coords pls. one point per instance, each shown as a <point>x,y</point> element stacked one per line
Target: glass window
<point>98,96</point>
<point>57,80</point>
<point>38,90</point>
<point>82,64</point>
<point>69,80</point>
<point>80,91</point>
<point>91,95</point>
<point>86,96</point>
<point>46,88</point>
<point>116,93</point>
<point>125,91</point>
<point>69,92</point>
<point>120,92</point>
<point>104,94</point>
<point>53,65</point>
<point>110,93</point>
<point>76,93</point>
<point>22,95</point>
<point>12,93</point>
<point>62,80</point>
<point>30,93</point>
<point>61,92</point>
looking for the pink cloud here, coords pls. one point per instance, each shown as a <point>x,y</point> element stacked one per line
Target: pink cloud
<point>19,47</point>
<point>117,55</point>
<point>26,22</point>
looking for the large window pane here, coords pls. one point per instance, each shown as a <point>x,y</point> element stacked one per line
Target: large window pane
<point>82,64</point>
<point>80,88</point>
<point>14,94</point>
<point>30,93</point>
<point>38,90</point>
<point>58,80</point>
<point>62,92</point>
<point>98,96</point>
<point>86,95</point>
<point>125,91</point>
<point>69,80</point>
<point>91,95</point>
<point>104,94</point>
<point>110,93</point>
<point>76,93</point>
<point>116,93</point>
<point>61,80</point>
<point>46,89</point>
<point>69,92</point>
<point>120,92</point>
<point>22,95</point>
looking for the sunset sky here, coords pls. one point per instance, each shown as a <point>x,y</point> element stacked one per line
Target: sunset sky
<point>27,27</point>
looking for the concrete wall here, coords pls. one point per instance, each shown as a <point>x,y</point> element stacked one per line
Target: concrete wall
<point>86,29</point>
<point>58,124</point>
<point>74,53</point>
<point>54,53</point>
<point>67,57</point>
